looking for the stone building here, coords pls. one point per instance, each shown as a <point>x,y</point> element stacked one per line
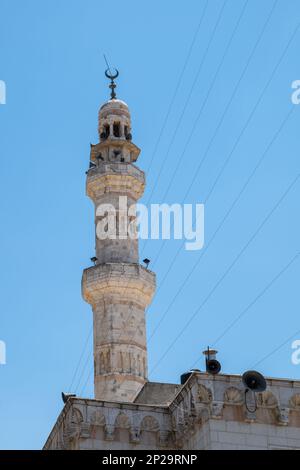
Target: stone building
<point>204,411</point>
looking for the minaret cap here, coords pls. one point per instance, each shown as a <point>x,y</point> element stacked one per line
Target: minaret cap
<point>114,123</point>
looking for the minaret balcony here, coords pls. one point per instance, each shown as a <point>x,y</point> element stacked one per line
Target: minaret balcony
<point>119,178</point>
<point>127,281</point>
<point>104,150</point>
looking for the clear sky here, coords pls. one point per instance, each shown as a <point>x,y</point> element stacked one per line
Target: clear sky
<point>228,140</point>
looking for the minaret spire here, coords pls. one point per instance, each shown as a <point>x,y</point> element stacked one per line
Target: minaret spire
<point>112,85</point>
<point>112,77</point>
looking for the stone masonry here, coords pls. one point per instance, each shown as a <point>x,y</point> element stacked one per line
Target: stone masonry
<point>207,412</point>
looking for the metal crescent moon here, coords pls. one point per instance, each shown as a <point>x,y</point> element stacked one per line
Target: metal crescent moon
<point>111,77</point>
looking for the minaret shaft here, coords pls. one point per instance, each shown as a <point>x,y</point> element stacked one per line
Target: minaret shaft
<point>117,287</point>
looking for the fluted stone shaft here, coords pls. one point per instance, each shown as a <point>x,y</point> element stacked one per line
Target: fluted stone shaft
<point>106,184</point>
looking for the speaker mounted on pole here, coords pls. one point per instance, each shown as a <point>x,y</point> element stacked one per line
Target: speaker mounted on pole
<point>212,365</point>
<point>254,382</point>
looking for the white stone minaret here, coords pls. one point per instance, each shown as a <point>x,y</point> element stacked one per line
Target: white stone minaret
<point>117,287</point>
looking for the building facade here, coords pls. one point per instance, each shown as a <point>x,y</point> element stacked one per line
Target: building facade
<point>206,411</point>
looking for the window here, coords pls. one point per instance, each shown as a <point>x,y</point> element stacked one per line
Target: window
<point>105,132</point>
<point>116,129</point>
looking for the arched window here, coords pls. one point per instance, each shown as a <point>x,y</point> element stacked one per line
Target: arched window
<point>116,129</point>
<point>105,133</point>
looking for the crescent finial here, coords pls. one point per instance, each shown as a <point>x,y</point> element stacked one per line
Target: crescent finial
<point>112,85</point>
<point>110,75</point>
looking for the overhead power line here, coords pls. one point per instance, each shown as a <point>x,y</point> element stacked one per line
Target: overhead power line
<point>253,302</point>
<point>81,357</point>
<point>220,123</point>
<point>223,115</point>
<point>188,99</point>
<point>232,206</point>
<point>178,85</point>
<point>275,350</point>
<point>227,271</point>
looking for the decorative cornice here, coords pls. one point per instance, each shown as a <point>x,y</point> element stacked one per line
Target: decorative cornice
<point>111,178</point>
<point>130,280</point>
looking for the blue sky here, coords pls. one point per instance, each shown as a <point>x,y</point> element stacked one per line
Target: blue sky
<point>242,70</point>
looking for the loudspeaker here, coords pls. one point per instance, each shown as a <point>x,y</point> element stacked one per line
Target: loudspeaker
<point>254,381</point>
<point>213,366</point>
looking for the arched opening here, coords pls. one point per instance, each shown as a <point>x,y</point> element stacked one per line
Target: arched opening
<point>122,428</point>
<point>105,133</point>
<point>116,129</point>
<point>127,134</point>
<point>149,431</point>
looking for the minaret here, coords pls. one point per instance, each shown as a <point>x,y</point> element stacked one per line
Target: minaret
<point>118,288</point>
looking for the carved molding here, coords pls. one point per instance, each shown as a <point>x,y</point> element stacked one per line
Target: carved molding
<point>122,421</point>
<point>267,400</point>
<point>98,418</point>
<point>217,409</point>
<point>204,394</point>
<point>295,401</point>
<point>149,423</point>
<point>233,396</point>
<point>109,434</point>
<point>283,416</point>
